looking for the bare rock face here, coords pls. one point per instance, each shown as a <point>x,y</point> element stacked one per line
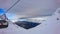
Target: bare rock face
<point>26,24</point>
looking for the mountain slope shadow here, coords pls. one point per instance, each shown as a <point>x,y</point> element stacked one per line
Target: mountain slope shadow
<point>26,24</point>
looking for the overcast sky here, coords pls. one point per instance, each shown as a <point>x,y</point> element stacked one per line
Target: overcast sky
<point>30,7</point>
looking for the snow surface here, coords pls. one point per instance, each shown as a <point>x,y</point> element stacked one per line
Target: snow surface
<point>50,26</point>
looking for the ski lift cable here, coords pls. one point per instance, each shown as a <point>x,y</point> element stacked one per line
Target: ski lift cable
<point>12,6</point>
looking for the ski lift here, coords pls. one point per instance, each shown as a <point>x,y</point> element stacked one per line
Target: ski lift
<point>3,19</point>
<point>3,24</point>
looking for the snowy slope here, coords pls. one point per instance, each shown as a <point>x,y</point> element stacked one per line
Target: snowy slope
<point>50,26</point>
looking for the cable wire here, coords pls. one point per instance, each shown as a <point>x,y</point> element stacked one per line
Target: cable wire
<point>12,6</point>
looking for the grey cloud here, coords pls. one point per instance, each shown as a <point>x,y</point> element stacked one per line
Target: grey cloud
<point>33,7</point>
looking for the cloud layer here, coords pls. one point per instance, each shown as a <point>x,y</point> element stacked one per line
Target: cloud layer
<point>30,7</point>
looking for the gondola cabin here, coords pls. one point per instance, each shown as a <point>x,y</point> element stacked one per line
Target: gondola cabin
<point>3,24</point>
